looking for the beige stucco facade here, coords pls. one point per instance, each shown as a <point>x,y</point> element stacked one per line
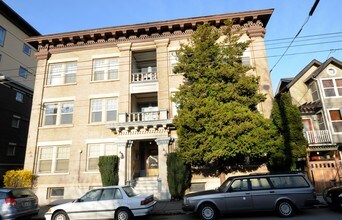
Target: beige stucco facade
<point>12,55</point>
<point>137,99</point>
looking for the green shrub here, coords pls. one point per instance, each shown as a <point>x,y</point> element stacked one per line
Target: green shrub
<point>178,175</point>
<point>109,169</point>
<point>18,178</point>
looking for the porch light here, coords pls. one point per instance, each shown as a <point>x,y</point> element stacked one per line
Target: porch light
<point>164,152</point>
<point>121,155</point>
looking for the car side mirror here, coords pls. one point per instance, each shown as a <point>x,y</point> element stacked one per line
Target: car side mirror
<point>78,200</point>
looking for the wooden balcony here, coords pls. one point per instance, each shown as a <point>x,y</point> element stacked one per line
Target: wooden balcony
<point>318,137</point>
<point>142,122</point>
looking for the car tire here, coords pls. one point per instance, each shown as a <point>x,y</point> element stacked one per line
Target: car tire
<point>285,209</point>
<point>207,211</point>
<point>60,215</point>
<point>123,214</point>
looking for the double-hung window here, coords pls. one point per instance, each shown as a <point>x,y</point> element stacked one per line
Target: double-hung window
<point>332,87</point>
<point>62,73</point>
<point>53,159</point>
<point>336,120</point>
<point>104,110</point>
<point>2,36</point>
<point>59,113</point>
<point>105,69</point>
<point>97,150</point>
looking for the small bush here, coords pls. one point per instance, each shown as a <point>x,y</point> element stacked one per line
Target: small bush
<point>18,179</point>
<point>109,169</point>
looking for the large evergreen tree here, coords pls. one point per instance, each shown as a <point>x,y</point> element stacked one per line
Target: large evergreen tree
<point>218,123</point>
<point>287,119</point>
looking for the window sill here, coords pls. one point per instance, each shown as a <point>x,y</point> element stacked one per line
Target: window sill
<point>52,174</point>
<point>103,81</point>
<point>56,126</point>
<point>101,123</point>
<point>58,85</point>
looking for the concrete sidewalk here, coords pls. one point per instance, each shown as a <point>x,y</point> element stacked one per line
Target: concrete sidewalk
<point>161,208</point>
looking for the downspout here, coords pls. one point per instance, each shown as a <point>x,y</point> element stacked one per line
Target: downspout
<point>34,169</point>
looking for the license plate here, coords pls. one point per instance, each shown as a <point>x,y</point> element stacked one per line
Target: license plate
<point>27,204</point>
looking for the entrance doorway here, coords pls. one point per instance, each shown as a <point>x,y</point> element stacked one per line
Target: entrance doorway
<point>146,163</point>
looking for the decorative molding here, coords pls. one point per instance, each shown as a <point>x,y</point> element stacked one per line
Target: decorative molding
<point>141,128</point>
<point>254,21</point>
<point>164,141</point>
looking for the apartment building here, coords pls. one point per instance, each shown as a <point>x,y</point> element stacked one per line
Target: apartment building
<point>108,91</point>
<point>317,91</point>
<point>17,69</point>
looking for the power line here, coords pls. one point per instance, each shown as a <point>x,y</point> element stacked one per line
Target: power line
<point>300,30</point>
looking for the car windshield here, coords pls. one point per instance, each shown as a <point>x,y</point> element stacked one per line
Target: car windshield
<point>130,191</point>
<point>224,186</point>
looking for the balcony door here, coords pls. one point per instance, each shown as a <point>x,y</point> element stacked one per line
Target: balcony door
<point>307,125</point>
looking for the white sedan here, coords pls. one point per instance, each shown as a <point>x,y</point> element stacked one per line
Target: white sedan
<point>113,202</point>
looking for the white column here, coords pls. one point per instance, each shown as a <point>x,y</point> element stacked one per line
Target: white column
<point>163,148</point>
<point>122,154</point>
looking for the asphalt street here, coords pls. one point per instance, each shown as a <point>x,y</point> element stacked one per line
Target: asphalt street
<point>309,214</point>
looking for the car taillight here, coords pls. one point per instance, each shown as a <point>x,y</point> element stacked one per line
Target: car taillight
<point>146,201</point>
<point>10,201</point>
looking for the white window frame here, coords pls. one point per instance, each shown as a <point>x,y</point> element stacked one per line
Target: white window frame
<point>19,97</point>
<point>103,108</point>
<point>27,49</point>
<point>60,112</point>
<point>54,158</point>
<point>22,72</point>
<point>59,73</point>
<point>11,149</point>
<point>335,88</point>
<point>50,193</point>
<point>15,121</point>
<point>2,36</point>
<point>103,149</point>
<point>108,65</point>
<point>173,60</point>
<point>334,121</point>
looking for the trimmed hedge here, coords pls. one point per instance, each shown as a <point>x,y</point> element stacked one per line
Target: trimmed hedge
<point>178,176</point>
<point>109,169</point>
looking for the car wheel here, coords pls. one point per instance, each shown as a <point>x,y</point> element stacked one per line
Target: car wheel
<point>123,214</point>
<point>285,209</point>
<point>60,215</point>
<point>207,211</point>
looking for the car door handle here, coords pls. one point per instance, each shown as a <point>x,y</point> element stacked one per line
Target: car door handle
<point>272,191</point>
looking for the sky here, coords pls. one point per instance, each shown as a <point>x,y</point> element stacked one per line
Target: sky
<point>320,38</point>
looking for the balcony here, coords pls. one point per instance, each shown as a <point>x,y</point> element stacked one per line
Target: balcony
<point>318,137</point>
<point>144,75</point>
<point>142,123</point>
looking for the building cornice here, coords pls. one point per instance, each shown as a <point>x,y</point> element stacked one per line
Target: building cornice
<point>256,21</point>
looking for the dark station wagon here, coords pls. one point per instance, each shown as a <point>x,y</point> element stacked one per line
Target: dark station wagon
<point>283,193</point>
<point>17,203</point>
